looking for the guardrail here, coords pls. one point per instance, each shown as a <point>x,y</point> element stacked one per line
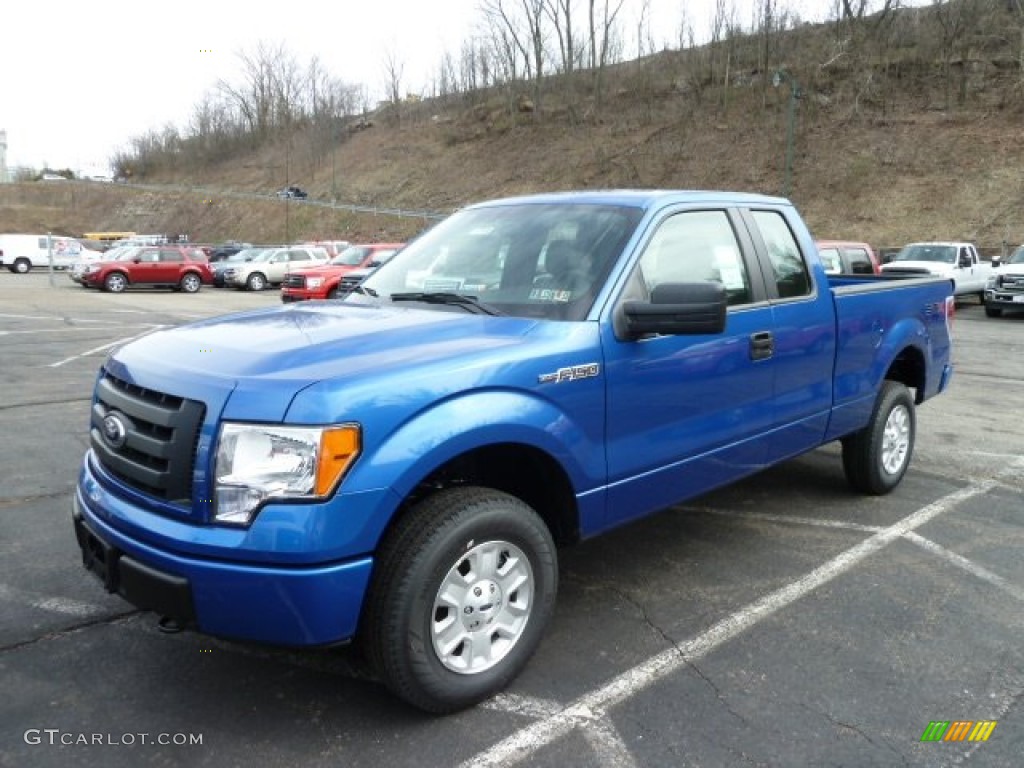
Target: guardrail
<point>352,207</point>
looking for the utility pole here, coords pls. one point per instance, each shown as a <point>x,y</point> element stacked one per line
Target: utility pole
<point>781,76</point>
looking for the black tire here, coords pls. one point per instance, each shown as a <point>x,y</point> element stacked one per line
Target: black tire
<point>256,282</point>
<point>21,266</point>
<point>993,311</point>
<point>876,458</point>
<point>441,539</point>
<point>115,282</point>
<point>190,282</point>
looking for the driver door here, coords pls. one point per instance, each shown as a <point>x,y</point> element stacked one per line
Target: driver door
<point>690,412</point>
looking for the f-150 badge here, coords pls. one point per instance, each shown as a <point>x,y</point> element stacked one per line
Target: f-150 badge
<point>572,373</point>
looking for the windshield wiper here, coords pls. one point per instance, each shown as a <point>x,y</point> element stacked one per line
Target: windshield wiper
<point>472,303</point>
<point>367,291</point>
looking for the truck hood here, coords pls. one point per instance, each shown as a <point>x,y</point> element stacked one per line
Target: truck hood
<point>324,269</point>
<point>932,267</point>
<point>265,357</point>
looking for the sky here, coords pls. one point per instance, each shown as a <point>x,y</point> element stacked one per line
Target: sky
<point>82,77</point>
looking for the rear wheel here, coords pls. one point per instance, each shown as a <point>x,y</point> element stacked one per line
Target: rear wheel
<point>190,282</point>
<point>876,458</point>
<point>21,266</point>
<point>462,591</point>
<point>256,282</point>
<point>115,282</point>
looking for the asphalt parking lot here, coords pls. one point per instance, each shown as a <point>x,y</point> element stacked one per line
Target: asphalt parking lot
<point>781,622</point>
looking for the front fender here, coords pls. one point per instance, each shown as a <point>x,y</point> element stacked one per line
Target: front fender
<point>459,424</point>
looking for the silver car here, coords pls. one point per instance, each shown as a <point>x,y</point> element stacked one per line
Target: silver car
<point>271,266</point>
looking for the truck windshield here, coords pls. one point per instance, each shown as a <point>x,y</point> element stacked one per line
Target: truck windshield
<point>937,253</point>
<point>529,260</point>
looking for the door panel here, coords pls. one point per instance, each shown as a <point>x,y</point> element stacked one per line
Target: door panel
<point>803,320</point>
<point>688,413</point>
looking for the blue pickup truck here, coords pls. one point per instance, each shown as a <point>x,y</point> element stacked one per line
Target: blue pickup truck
<point>400,467</point>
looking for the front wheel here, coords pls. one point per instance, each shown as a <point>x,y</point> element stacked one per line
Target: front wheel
<point>256,282</point>
<point>993,311</point>
<point>876,458</point>
<point>115,282</point>
<point>21,266</point>
<point>190,283</point>
<point>462,592</point>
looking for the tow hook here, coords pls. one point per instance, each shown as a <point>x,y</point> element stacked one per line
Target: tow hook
<point>169,626</point>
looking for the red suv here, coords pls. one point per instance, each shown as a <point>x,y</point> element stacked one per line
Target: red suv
<point>322,282</point>
<point>178,267</point>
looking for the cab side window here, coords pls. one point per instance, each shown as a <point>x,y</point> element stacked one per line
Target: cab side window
<point>790,271</point>
<point>860,263</point>
<point>694,246</point>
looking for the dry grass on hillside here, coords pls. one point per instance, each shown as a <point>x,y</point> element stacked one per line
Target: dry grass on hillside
<point>908,171</point>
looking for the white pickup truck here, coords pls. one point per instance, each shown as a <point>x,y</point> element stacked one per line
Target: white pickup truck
<point>958,261</point>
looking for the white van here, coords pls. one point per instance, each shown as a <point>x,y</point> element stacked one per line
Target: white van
<point>20,253</point>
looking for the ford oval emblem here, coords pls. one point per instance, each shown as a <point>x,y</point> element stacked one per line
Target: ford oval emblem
<point>114,430</point>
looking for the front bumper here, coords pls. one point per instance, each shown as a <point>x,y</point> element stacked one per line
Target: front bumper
<point>276,604</point>
<point>1004,299</point>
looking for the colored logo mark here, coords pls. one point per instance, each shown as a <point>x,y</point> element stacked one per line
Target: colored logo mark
<point>959,730</point>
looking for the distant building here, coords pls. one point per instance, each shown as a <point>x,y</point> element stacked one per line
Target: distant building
<point>4,176</point>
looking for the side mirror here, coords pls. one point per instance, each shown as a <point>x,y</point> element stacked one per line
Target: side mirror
<point>136,260</point>
<point>677,309</point>
<point>996,260</point>
<point>965,261</point>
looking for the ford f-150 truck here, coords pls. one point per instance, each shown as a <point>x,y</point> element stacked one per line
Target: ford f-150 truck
<point>959,262</point>
<point>399,467</point>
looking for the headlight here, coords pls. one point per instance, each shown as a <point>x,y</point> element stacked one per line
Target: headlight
<point>314,282</point>
<point>91,269</point>
<point>991,281</point>
<point>257,462</point>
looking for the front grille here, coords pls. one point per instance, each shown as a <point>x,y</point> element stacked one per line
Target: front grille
<point>1011,283</point>
<point>156,452</point>
<point>348,283</point>
<point>295,281</point>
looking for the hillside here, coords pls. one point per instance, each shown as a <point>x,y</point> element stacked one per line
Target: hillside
<point>888,171</point>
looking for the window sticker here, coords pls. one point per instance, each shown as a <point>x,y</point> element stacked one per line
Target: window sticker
<point>547,294</point>
<point>727,261</point>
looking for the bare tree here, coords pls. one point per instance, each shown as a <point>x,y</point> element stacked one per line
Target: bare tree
<point>605,45</point>
<point>517,32</point>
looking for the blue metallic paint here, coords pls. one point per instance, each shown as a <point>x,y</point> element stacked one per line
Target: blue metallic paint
<point>667,417</point>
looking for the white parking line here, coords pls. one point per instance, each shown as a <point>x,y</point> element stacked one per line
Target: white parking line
<point>520,745</point>
<point>62,319</point>
<point>102,347</point>
<point>762,517</point>
<point>63,329</point>
<point>964,564</point>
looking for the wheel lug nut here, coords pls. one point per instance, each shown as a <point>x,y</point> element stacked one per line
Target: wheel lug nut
<point>468,609</point>
<point>477,592</point>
